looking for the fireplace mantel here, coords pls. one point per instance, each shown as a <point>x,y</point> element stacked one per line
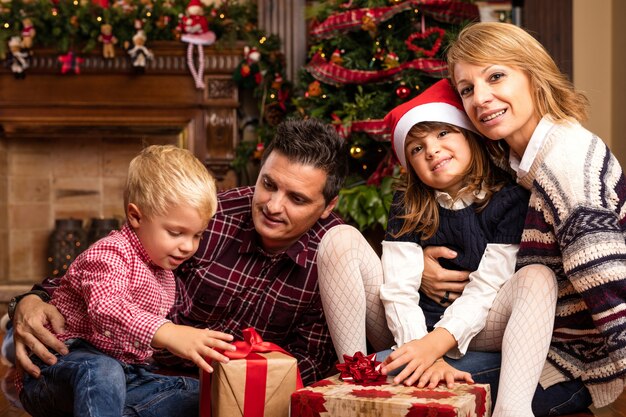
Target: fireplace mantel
<point>109,96</point>
<point>66,140</point>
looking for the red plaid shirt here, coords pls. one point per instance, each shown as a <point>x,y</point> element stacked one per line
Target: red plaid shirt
<point>231,284</point>
<point>115,298</point>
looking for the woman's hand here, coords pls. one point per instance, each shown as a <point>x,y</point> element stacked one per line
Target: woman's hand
<point>31,316</point>
<point>439,283</point>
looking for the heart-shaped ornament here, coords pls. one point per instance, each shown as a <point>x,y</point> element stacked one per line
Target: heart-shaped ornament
<point>426,36</point>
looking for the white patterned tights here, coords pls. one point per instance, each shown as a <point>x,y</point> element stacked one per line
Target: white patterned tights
<point>519,323</point>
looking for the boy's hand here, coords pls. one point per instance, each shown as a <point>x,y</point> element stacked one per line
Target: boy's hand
<point>193,344</point>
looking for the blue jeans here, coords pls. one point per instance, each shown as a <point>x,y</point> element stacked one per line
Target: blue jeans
<point>86,382</point>
<point>563,398</point>
<point>8,347</point>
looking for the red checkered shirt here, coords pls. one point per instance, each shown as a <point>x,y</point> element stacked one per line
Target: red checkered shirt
<point>231,284</point>
<point>115,298</point>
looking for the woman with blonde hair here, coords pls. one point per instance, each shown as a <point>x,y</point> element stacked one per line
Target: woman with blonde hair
<point>516,96</point>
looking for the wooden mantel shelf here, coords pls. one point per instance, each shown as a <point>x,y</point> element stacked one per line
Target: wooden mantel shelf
<point>108,95</point>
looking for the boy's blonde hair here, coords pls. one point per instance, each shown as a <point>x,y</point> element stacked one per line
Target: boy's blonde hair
<point>165,176</point>
<point>506,44</point>
<point>421,211</point>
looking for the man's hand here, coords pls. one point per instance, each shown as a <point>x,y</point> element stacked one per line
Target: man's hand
<point>197,345</point>
<point>31,335</point>
<point>439,283</point>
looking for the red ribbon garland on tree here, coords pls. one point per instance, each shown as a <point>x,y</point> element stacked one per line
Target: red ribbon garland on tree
<point>330,73</point>
<point>448,11</point>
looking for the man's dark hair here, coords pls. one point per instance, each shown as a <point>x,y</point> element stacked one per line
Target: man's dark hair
<point>313,142</point>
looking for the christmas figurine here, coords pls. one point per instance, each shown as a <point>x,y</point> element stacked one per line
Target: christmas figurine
<point>391,60</point>
<point>18,59</point>
<point>139,54</point>
<point>195,29</point>
<point>28,33</point>
<point>195,26</point>
<point>108,41</point>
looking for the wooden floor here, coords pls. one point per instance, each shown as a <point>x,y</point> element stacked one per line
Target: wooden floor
<point>8,409</point>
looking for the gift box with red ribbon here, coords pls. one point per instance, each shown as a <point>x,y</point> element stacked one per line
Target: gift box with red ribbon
<point>257,382</point>
<point>360,390</point>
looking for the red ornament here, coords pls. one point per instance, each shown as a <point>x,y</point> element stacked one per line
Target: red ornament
<point>403,91</point>
<point>245,70</point>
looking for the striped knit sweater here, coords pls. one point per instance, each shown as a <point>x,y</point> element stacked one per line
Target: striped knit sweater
<point>576,225</point>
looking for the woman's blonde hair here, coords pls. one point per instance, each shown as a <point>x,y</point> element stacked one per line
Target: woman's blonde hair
<point>164,176</point>
<point>506,44</point>
<point>419,201</point>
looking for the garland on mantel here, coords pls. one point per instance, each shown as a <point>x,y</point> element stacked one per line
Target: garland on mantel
<point>75,27</point>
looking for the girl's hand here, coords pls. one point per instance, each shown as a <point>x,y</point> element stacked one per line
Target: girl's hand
<point>193,344</point>
<point>418,355</point>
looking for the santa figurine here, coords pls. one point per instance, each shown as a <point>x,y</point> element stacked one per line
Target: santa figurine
<point>195,31</point>
<point>194,25</point>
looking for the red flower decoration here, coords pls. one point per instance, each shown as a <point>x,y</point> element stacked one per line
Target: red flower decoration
<point>70,63</point>
<point>371,393</point>
<point>307,404</point>
<point>425,35</point>
<point>360,369</point>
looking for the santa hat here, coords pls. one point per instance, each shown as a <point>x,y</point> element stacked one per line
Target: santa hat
<point>194,3</point>
<point>438,103</point>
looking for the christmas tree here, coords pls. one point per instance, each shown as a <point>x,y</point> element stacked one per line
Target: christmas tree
<point>365,58</point>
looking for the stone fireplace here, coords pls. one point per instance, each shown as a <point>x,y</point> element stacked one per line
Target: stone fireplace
<point>66,141</point>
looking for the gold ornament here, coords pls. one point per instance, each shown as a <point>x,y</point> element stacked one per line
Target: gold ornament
<point>356,151</point>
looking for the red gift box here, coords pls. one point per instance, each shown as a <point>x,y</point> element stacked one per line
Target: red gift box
<point>257,382</point>
<point>333,397</point>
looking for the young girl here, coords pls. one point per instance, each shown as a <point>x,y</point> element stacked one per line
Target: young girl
<point>454,196</point>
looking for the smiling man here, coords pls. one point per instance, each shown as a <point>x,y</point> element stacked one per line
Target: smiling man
<point>257,261</point>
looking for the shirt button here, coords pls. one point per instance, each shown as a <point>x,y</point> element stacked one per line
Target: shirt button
<point>107,333</point>
<point>136,344</point>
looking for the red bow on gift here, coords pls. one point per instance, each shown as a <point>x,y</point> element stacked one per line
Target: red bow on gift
<point>360,368</point>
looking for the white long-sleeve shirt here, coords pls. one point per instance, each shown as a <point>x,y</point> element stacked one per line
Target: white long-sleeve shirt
<point>403,266</point>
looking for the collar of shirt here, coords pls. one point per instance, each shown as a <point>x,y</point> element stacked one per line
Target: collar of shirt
<point>446,201</point>
<point>128,232</point>
<point>250,239</point>
<point>522,165</point>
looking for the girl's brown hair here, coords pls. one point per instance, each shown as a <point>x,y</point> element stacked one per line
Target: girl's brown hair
<point>421,211</point>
